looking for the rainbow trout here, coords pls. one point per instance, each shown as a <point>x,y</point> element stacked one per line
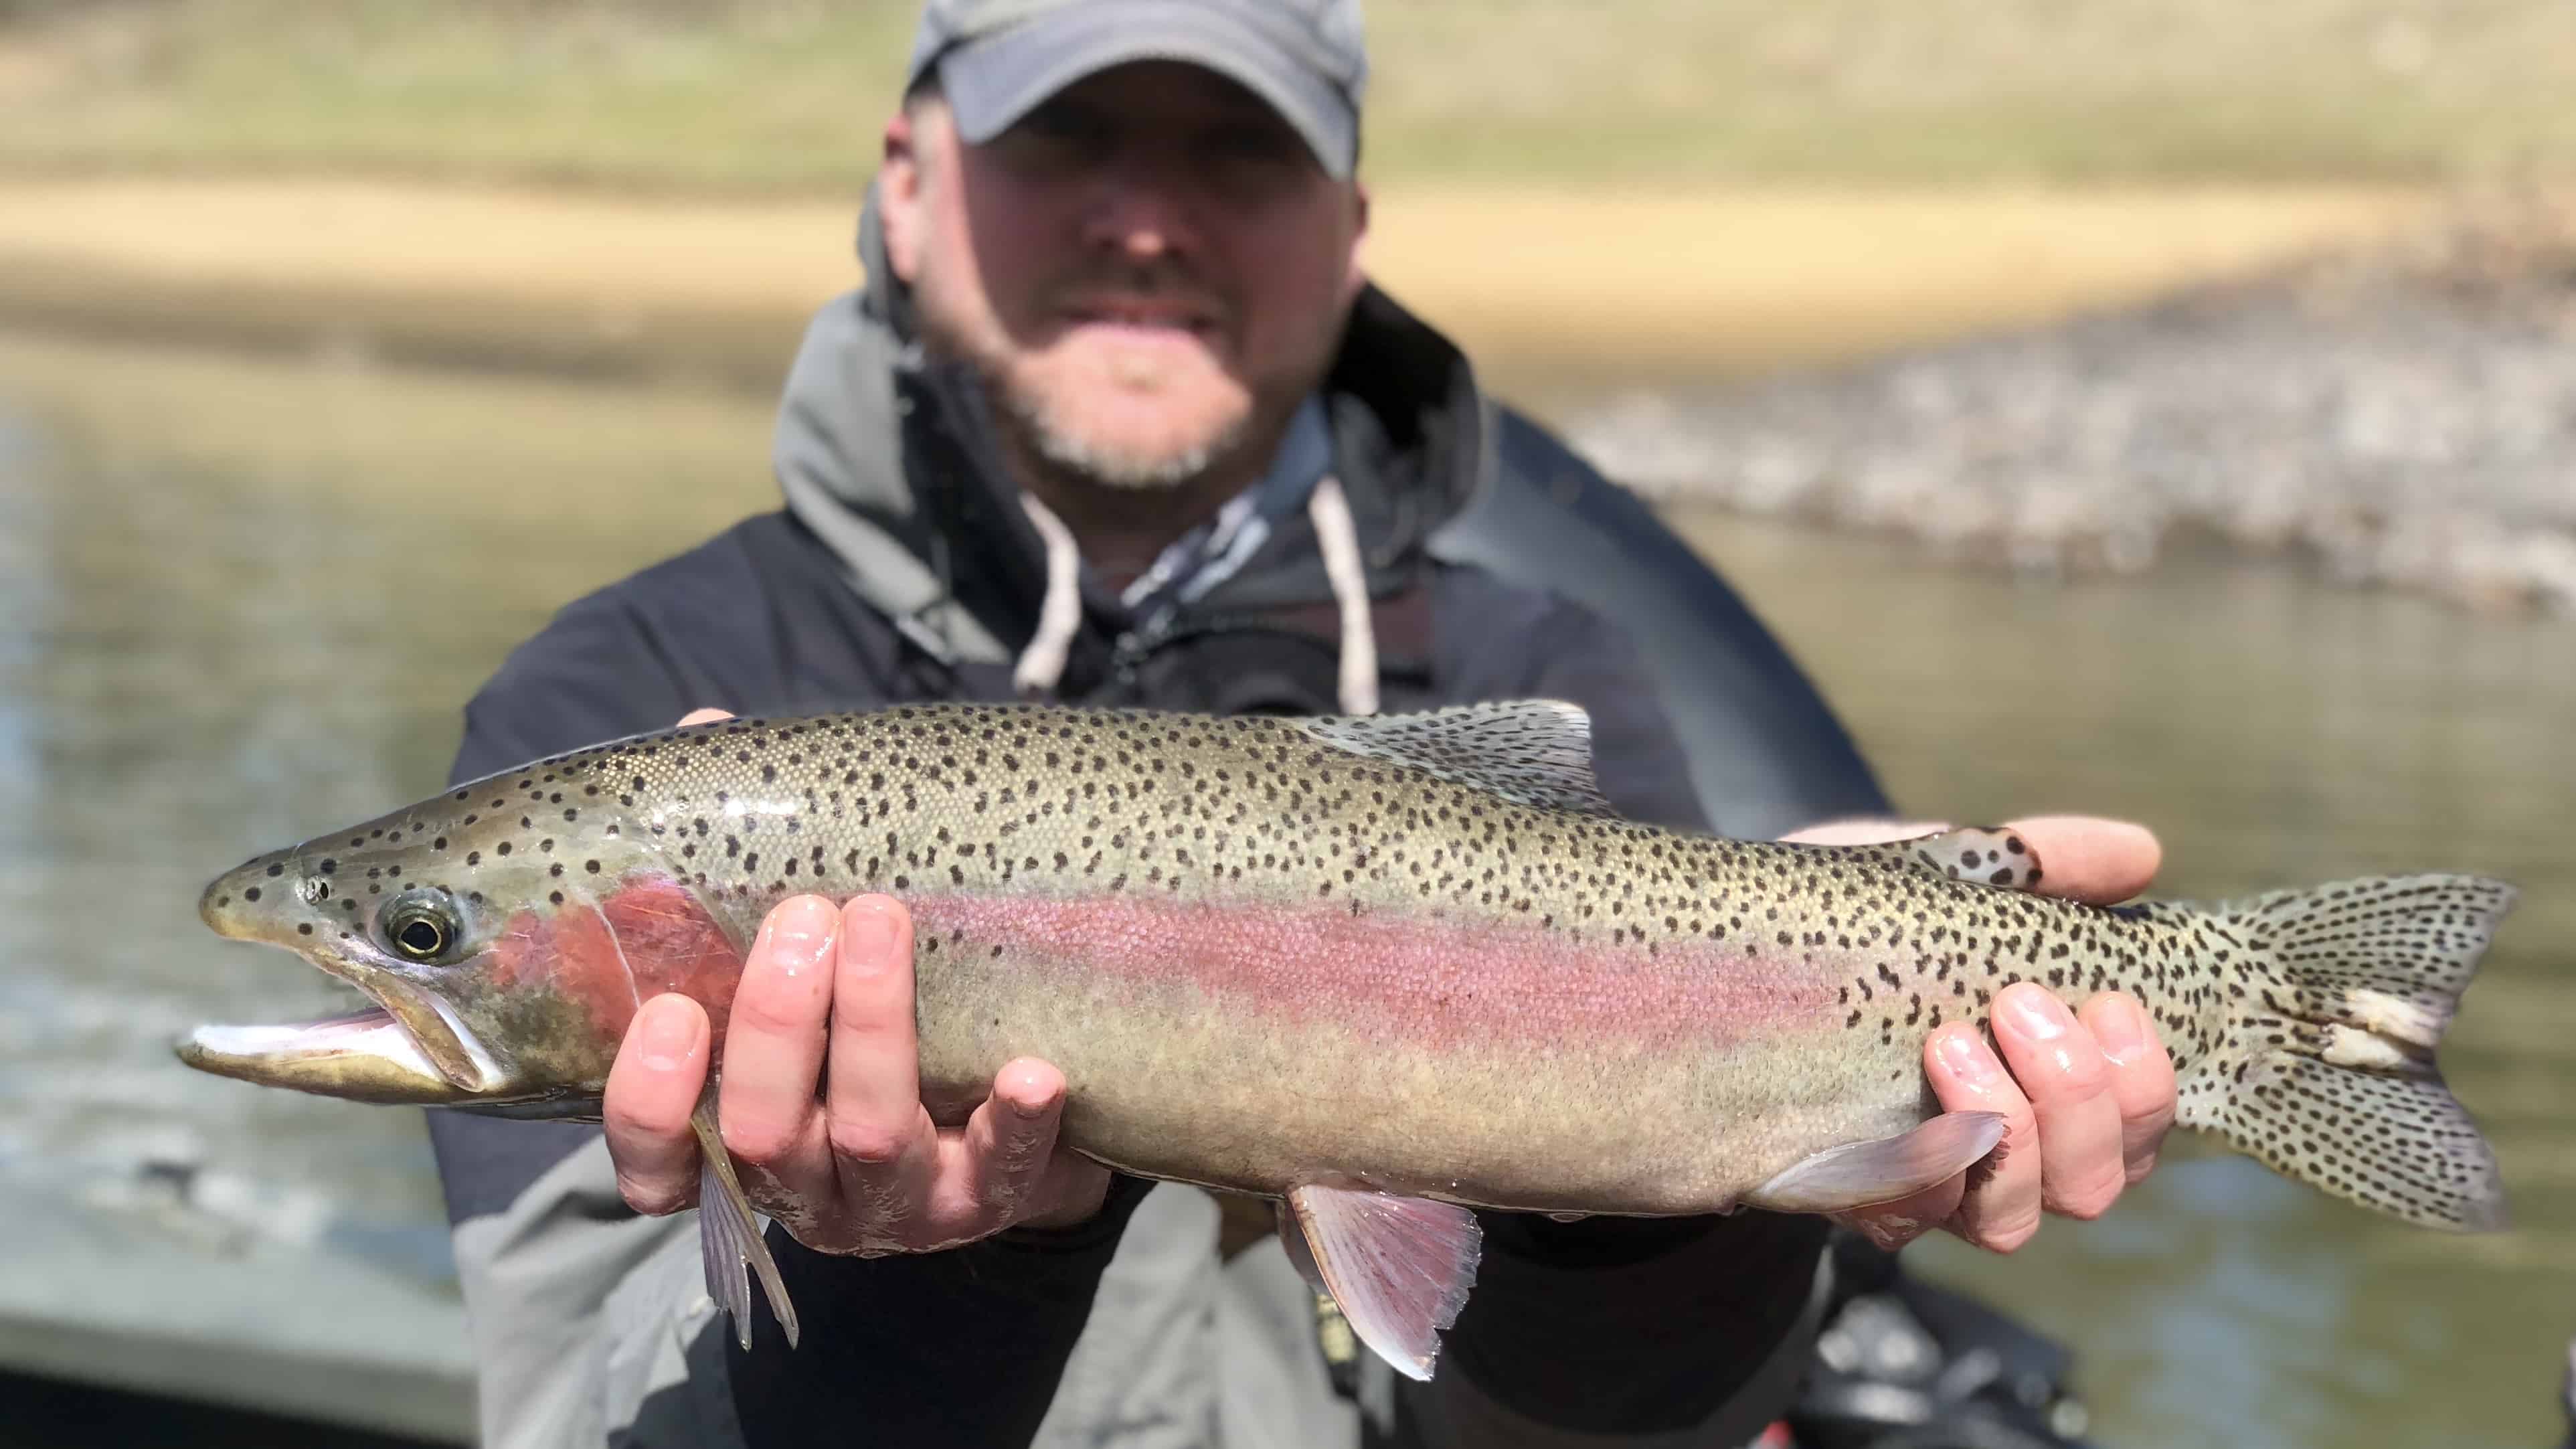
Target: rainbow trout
<point>1383,969</point>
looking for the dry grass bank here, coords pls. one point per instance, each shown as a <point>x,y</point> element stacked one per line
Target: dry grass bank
<point>1539,282</point>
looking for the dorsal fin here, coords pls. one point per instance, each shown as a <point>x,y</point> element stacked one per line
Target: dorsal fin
<point>1532,751</point>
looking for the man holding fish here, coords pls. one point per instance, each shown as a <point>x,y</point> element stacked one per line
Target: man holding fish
<point>1152,396</point>
<point>1117,421</point>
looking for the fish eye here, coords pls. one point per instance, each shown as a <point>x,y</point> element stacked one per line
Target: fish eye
<point>420,926</point>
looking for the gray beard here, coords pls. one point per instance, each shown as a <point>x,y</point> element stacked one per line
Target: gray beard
<point>1062,447</point>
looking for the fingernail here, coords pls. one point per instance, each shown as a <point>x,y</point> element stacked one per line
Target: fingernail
<point>800,934</point>
<point>668,1036</point>
<point>2120,1029</point>
<point>1024,1092</point>
<point>2040,1016</point>
<point>871,929</point>
<point>1965,1056</point>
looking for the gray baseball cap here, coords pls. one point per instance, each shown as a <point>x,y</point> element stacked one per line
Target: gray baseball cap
<point>997,59</point>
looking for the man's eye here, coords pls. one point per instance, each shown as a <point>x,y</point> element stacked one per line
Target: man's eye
<point>1063,124</point>
<point>1251,142</point>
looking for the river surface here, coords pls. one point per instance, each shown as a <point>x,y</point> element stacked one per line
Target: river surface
<point>241,602</point>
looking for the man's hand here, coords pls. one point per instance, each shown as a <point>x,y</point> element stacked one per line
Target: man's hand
<point>820,1101</point>
<point>2088,1095</point>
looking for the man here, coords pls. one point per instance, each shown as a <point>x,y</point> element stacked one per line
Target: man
<point>1117,420</point>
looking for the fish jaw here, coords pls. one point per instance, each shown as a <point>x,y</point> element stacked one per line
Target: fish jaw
<point>366,1056</point>
<point>553,934</point>
<point>414,1047</point>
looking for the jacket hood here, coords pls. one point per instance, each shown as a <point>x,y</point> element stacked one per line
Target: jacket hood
<point>885,454</point>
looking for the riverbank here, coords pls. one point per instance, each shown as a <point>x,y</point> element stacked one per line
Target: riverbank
<point>1549,288</point>
<point>2402,416</point>
<point>2056,381</point>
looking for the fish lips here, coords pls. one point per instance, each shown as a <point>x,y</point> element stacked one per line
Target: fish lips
<point>412,1048</point>
<point>366,1056</point>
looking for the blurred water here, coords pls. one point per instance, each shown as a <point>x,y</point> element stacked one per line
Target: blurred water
<point>242,601</point>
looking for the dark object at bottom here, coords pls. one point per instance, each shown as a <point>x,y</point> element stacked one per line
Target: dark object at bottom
<point>1902,1364</point>
<point>48,1413</point>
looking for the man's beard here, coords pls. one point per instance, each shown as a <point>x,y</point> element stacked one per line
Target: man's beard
<point>1062,442</point>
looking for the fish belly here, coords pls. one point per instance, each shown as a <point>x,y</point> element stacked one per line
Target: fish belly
<point>1257,1046</point>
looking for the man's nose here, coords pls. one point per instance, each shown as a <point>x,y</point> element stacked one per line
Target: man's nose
<point>1144,209</point>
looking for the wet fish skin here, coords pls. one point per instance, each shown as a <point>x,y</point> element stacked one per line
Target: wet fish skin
<point>1417,953</point>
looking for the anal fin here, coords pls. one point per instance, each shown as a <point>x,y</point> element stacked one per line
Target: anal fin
<point>729,1239</point>
<point>1399,1267</point>
<point>1858,1174</point>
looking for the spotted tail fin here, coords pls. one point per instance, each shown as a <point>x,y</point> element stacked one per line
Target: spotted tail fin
<point>2328,1073</point>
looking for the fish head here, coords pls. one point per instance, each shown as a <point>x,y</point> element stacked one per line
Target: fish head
<point>503,954</point>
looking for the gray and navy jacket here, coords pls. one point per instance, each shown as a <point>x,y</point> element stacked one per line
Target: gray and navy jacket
<point>1498,566</point>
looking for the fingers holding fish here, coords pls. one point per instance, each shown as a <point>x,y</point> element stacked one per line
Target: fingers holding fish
<point>872,1094</point>
<point>660,1070</point>
<point>2062,1071</point>
<point>1007,1153</point>
<point>1999,1203</point>
<point>774,1040</point>
<point>2142,1076</point>
<point>2090,858</point>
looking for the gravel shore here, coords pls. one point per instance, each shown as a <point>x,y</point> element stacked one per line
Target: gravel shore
<point>2407,418</point>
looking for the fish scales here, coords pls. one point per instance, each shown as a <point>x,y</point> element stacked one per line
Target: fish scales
<point>1411,953</point>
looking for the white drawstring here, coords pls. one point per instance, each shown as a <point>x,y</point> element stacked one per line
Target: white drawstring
<point>1339,539</point>
<point>1042,663</point>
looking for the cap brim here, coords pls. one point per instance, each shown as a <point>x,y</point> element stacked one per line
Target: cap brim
<point>992,82</point>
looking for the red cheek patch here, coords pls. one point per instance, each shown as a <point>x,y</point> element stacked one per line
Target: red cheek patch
<point>648,937</point>
<point>671,943</point>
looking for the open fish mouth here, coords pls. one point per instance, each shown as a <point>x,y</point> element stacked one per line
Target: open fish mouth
<point>407,1049</point>
<point>410,1047</point>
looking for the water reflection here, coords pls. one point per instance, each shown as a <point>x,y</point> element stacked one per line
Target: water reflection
<point>240,602</point>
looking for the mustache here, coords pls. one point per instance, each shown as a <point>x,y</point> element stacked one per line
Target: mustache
<point>1158,290</point>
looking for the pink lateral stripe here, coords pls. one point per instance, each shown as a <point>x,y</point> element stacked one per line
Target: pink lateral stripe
<point>1397,977</point>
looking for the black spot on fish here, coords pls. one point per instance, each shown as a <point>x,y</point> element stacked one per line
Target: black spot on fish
<point>252,894</point>
<point>276,870</point>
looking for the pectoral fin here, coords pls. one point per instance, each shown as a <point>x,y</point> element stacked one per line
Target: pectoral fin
<point>1858,1174</point>
<point>729,1236</point>
<point>1400,1267</point>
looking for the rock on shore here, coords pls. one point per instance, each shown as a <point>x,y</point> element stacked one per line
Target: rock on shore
<point>2408,419</point>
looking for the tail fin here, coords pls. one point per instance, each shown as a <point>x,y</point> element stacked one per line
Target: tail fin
<point>2327,1074</point>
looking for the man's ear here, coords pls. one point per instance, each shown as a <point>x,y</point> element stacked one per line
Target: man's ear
<point>899,199</point>
<point>1357,274</point>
